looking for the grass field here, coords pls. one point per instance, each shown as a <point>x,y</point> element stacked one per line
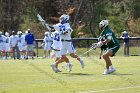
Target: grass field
<point>36,76</point>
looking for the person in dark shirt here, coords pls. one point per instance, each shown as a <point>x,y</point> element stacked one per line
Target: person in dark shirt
<point>29,39</point>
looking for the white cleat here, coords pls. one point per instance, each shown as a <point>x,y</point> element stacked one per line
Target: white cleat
<point>82,63</point>
<point>54,68</point>
<point>58,70</point>
<point>69,67</point>
<point>106,71</point>
<point>112,69</point>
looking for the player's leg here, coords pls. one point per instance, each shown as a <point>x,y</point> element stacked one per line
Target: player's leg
<point>57,61</point>
<point>32,51</point>
<point>125,47</point>
<point>71,50</point>
<point>109,53</point>
<point>107,60</point>
<point>0,51</point>
<point>23,53</point>
<point>49,49</point>
<point>13,48</point>
<point>18,52</point>
<point>61,59</point>
<point>6,52</point>
<point>45,50</point>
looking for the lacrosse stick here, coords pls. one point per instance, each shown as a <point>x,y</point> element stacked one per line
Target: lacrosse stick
<point>93,47</point>
<point>43,22</point>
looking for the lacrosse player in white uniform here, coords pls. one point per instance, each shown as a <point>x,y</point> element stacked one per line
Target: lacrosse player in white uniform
<point>48,42</point>
<point>2,42</point>
<point>7,44</point>
<point>56,47</point>
<point>64,29</point>
<point>21,44</point>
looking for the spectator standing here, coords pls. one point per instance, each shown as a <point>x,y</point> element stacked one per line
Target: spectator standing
<point>125,37</point>
<point>14,45</point>
<point>29,39</point>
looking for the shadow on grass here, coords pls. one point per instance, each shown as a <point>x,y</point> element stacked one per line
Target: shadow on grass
<point>121,74</point>
<point>80,74</point>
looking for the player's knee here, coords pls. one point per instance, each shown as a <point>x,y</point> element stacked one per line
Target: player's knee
<point>73,55</point>
<point>64,57</point>
<point>105,56</point>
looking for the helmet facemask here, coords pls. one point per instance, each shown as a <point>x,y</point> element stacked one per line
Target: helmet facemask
<point>64,19</point>
<point>103,24</point>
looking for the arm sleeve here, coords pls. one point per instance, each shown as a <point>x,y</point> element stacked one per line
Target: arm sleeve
<point>109,36</point>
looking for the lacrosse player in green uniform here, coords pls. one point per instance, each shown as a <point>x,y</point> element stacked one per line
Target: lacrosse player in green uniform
<point>108,38</point>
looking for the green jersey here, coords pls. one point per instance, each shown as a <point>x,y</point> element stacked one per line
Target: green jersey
<point>107,33</point>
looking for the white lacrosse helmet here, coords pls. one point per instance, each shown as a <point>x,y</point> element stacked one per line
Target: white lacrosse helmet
<point>103,24</point>
<point>26,32</point>
<point>63,18</point>
<point>7,34</point>
<point>19,32</point>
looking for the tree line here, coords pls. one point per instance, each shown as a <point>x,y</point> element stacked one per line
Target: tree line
<point>84,15</point>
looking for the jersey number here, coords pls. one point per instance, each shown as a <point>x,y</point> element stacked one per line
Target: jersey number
<point>56,37</point>
<point>62,28</point>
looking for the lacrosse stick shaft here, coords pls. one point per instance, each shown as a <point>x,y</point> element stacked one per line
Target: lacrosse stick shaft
<point>93,47</point>
<point>43,22</point>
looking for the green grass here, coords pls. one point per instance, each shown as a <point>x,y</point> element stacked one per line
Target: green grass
<point>36,76</point>
<point>132,50</point>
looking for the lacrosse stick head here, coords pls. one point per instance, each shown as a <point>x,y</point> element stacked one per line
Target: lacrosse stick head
<point>94,46</point>
<point>40,18</point>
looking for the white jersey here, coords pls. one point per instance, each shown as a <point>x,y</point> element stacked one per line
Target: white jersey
<point>13,40</point>
<point>48,42</point>
<point>2,40</point>
<point>21,40</point>
<point>7,44</point>
<point>61,28</point>
<point>56,41</point>
<point>47,39</point>
<point>7,41</point>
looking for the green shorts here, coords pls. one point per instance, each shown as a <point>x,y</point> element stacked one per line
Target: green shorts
<point>114,49</point>
<point>30,47</point>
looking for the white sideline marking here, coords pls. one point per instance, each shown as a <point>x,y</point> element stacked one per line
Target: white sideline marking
<point>97,91</point>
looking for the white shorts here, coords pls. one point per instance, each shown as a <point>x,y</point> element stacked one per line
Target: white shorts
<point>67,47</point>
<point>22,48</point>
<point>7,48</point>
<point>56,53</point>
<point>47,46</point>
